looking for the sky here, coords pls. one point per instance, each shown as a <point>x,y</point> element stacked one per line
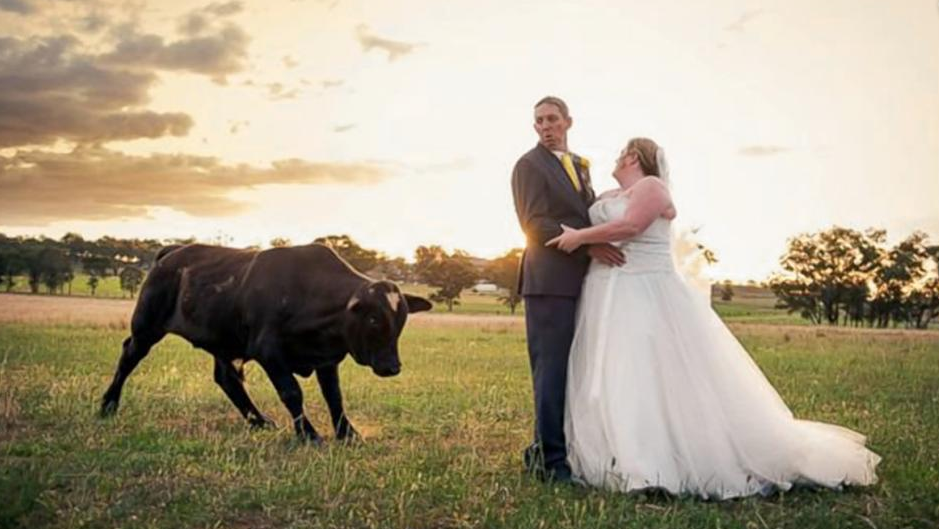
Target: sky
<point>398,122</point>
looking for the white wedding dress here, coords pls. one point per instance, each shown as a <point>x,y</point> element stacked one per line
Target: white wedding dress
<point>661,395</point>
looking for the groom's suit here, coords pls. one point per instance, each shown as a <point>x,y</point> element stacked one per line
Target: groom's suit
<point>550,281</point>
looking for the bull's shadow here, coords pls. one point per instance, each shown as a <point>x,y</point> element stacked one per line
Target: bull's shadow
<point>295,311</point>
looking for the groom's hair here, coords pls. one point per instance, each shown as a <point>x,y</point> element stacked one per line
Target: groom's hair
<point>556,101</point>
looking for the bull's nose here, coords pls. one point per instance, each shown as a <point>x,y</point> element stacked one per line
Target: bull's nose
<point>388,371</point>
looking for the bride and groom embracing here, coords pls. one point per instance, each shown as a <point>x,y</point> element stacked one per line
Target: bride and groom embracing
<point>638,384</point>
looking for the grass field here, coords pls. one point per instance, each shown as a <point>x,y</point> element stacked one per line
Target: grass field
<point>754,305</point>
<point>443,439</point>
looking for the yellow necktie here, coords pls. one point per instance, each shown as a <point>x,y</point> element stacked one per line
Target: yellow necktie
<point>569,167</point>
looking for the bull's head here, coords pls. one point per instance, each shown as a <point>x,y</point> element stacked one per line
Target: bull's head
<point>375,316</point>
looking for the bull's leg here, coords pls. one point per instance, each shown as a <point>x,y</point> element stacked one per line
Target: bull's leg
<point>135,349</point>
<point>292,396</point>
<point>231,380</point>
<point>328,378</point>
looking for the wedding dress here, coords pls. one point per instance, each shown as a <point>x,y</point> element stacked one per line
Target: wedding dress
<point>661,395</point>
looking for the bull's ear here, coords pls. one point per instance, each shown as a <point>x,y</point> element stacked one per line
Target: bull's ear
<point>417,303</point>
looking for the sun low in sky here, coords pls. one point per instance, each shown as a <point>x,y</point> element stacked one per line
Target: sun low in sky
<point>399,123</point>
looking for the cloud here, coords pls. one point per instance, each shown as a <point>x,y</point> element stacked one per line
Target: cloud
<point>224,9</point>
<point>93,22</point>
<point>236,126</point>
<point>394,48</point>
<point>23,7</point>
<point>215,55</point>
<point>744,19</point>
<point>202,19</point>
<point>343,128</point>
<point>193,24</point>
<point>277,92</point>
<point>456,164</point>
<point>333,83</point>
<point>49,90</point>
<point>92,183</point>
<point>289,62</point>
<point>762,150</point>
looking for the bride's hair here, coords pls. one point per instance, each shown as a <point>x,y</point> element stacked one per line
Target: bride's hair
<point>645,150</point>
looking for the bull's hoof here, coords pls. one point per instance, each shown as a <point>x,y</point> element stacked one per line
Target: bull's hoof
<point>348,435</point>
<point>108,408</point>
<point>261,423</point>
<point>311,439</point>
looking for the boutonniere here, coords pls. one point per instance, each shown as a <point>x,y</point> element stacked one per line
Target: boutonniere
<point>584,163</point>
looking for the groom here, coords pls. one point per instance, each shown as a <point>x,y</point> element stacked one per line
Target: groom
<point>551,186</point>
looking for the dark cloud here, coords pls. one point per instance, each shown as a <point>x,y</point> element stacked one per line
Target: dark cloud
<point>214,55</point>
<point>744,19</point>
<point>762,150</point>
<point>23,7</point>
<point>97,184</point>
<point>394,48</point>
<point>49,90</point>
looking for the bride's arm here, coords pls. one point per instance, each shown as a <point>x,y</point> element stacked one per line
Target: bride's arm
<point>649,200</point>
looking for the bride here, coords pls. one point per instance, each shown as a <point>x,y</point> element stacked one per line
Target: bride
<point>660,394</point>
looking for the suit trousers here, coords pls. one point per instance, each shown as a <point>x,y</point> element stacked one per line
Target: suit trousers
<point>549,325</point>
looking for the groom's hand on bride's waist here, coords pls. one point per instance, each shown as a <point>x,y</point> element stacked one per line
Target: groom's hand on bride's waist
<point>607,254</point>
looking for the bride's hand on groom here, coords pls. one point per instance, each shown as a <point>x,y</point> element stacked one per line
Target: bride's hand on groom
<point>570,239</point>
<point>607,254</point>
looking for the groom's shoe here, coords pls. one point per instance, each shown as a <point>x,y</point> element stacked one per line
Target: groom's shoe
<point>533,459</point>
<point>560,474</point>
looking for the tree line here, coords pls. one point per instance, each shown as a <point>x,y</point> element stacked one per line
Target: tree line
<point>843,276</point>
<point>53,264</point>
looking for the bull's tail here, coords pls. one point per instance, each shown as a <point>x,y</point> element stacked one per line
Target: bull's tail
<point>165,250</point>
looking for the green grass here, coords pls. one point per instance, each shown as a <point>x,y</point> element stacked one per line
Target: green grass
<point>108,287</point>
<point>443,439</point>
<point>469,302</point>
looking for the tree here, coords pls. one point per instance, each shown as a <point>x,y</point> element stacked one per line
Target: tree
<point>280,242</point>
<point>450,274</point>
<point>826,274</point>
<point>92,282</point>
<point>96,266</point>
<point>32,263</point>
<point>727,291</point>
<point>925,297</point>
<point>360,258</point>
<point>131,277</point>
<point>396,269</point>
<point>54,267</point>
<point>11,265</point>
<point>902,271</point>
<point>503,272</point>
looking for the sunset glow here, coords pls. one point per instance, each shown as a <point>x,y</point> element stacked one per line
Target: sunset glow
<point>398,123</point>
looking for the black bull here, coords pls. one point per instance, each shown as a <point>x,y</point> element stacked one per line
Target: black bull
<point>293,310</point>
